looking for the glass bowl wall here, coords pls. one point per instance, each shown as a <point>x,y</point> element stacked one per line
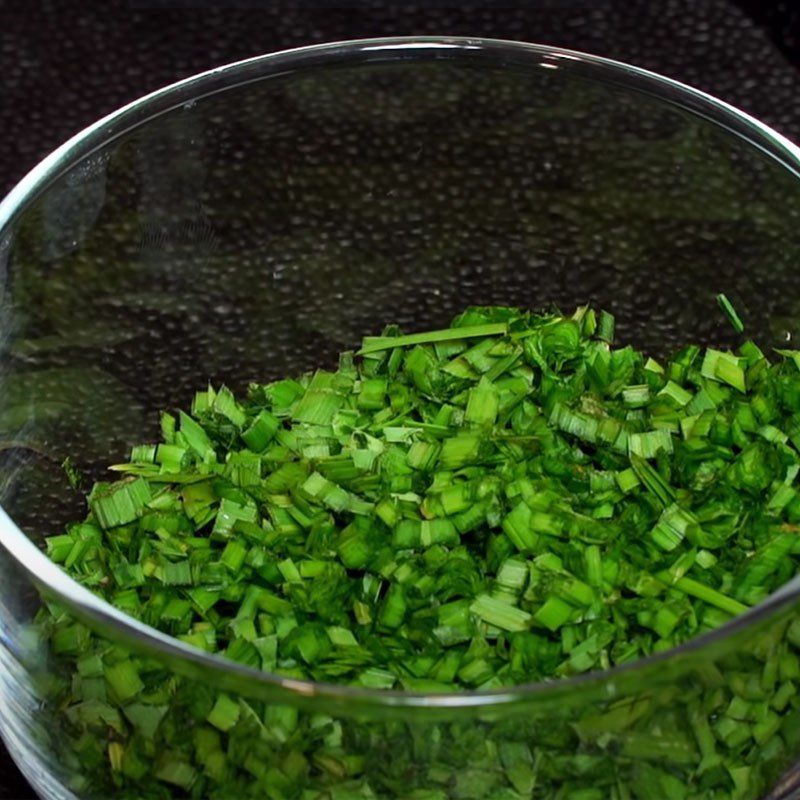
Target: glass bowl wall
<point>256,220</point>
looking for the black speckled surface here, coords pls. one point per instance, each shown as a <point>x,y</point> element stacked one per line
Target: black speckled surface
<point>61,68</point>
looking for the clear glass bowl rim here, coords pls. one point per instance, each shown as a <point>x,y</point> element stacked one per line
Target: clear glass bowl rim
<point>56,584</point>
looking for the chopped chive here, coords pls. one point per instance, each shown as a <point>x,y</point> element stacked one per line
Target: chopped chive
<point>261,431</point>
<point>711,596</point>
<point>483,403</point>
<point>373,344</point>
<point>730,313</point>
<point>649,444</point>
<point>225,404</point>
<point>724,367</point>
<point>636,396</point>
<point>672,527</point>
<point>676,393</point>
<point>509,500</point>
<point>224,714</point>
<point>500,614</point>
<point>119,503</point>
<point>123,679</point>
<point>605,327</point>
<point>179,773</point>
<point>554,613</point>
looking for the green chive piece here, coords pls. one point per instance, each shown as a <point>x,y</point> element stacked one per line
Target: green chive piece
<point>374,344</point>
<point>724,367</point>
<point>123,679</point>
<point>500,614</point>
<point>261,431</point>
<point>730,313</point>
<point>119,503</point>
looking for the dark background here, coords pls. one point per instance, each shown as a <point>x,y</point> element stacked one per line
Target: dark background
<point>64,64</point>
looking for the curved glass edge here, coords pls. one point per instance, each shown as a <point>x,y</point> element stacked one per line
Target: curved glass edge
<point>192,662</point>
<point>18,705</point>
<point>238,73</point>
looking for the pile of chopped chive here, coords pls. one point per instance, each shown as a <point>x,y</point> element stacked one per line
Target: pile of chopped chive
<point>507,500</point>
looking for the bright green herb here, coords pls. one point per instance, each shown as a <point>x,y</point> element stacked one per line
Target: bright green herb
<point>730,313</point>
<point>394,483</point>
<point>506,500</point>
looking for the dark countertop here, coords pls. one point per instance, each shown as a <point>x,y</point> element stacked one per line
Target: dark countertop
<point>65,64</point>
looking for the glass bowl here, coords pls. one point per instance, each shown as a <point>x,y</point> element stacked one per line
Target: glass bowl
<point>252,222</point>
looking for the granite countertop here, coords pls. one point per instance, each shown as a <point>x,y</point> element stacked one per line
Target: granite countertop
<point>73,63</point>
